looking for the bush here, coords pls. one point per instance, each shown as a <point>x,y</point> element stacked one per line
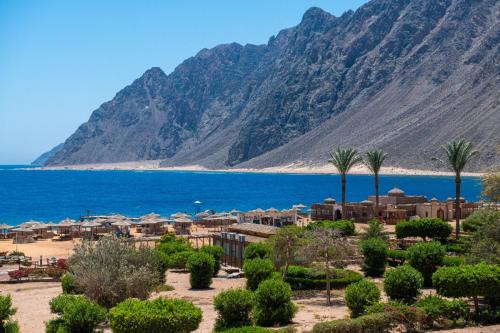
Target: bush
<point>110,270</point>
<point>373,323</point>
<point>258,251</point>
<point>359,295</point>
<point>408,318</point>
<point>68,284</point>
<point>451,261</point>
<point>158,315</point>
<point>179,260</point>
<point>234,307</point>
<point>256,271</point>
<point>425,258</point>
<point>201,269</point>
<point>250,329</point>
<point>345,227</point>
<point>468,281</point>
<point>396,257</point>
<point>77,314</point>
<point>480,218</point>
<point>272,303</point>
<point>403,283</point>
<point>215,251</point>
<point>375,230</point>
<point>6,312</point>
<point>442,313</point>
<point>424,228</point>
<point>302,278</point>
<point>375,256</point>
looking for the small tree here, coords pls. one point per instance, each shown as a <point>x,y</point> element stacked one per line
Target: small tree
<point>201,269</point>
<point>375,256</point>
<point>6,312</point>
<point>491,186</point>
<point>375,230</point>
<point>77,314</point>
<point>458,155</point>
<point>403,283</point>
<point>286,244</point>
<point>273,303</point>
<point>215,251</point>
<point>374,161</point>
<point>344,160</point>
<point>360,295</point>
<point>328,248</point>
<point>110,270</point>
<point>256,271</point>
<point>258,250</point>
<point>234,307</point>
<point>425,258</point>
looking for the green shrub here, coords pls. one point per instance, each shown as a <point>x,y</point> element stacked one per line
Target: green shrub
<point>201,269</point>
<point>442,313</point>
<point>403,283</point>
<point>272,303</point>
<point>256,271</point>
<point>11,327</point>
<point>396,257</point>
<point>250,329</point>
<point>375,230</point>
<point>234,307</point>
<point>158,315</point>
<point>68,284</point>
<point>345,227</point>
<point>468,281</point>
<point>6,312</point>
<point>425,258</point>
<point>303,278</point>
<point>408,318</point>
<point>215,251</point>
<point>179,260</point>
<point>375,257</point>
<point>77,314</point>
<point>359,295</point>
<point>480,218</point>
<point>258,251</point>
<point>372,323</point>
<point>424,228</point>
<point>453,261</point>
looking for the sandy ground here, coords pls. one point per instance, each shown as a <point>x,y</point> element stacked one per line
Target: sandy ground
<point>45,248</point>
<point>299,167</point>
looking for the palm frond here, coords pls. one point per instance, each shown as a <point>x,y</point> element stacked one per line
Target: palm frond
<point>458,154</point>
<point>344,159</point>
<point>374,160</point>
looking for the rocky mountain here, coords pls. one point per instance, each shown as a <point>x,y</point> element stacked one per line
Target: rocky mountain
<point>401,75</point>
<point>42,159</point>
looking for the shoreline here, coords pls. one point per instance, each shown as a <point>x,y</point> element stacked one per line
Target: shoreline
<point>296,168</point>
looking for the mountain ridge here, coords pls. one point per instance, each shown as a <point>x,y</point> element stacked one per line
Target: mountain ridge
<point>404,76</point>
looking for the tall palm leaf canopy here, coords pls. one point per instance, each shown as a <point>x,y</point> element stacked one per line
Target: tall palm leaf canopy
<point>374,160</point>
<point>344,159</point>
<point>458,154</point>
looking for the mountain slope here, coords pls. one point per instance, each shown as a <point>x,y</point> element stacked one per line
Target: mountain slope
<point>401,75</point>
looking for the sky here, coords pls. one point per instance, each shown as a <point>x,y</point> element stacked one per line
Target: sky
<point>60,60</point>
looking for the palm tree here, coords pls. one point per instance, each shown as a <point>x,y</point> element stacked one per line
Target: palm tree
<point>374,160</point>
<point>458,154</point>
<point>344,160</point>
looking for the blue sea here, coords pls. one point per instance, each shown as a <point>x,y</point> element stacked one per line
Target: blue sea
<point>54,195</point>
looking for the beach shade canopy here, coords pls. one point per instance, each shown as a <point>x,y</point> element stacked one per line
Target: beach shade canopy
<point>180,215</point>
<point>39,226</point>
<point>121,224</point>
<point>22,229</point>
<point>272,210</point>
<point>51,224</point>
<point>67,223</point>
<point>29,224</point>
<point>150,216</point>
<point>299,206</point>
<point>90,224</point>
<point>146,222</point>
<point>202,214</point>
<point>5,226</point>
<point>259,210</point>
<point>234,211</point>
<point>183,220</point>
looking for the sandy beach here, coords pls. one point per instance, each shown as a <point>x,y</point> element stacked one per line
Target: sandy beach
<point>297,168</point>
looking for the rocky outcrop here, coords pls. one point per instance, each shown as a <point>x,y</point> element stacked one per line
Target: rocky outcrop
<point>405,76</point>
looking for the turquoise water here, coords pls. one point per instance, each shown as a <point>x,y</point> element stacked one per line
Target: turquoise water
<point>54,195</point>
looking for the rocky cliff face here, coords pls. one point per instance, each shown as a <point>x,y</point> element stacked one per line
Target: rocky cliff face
<point>405,76</point>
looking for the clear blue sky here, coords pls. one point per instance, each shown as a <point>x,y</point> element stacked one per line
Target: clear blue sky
<point>59,60</point>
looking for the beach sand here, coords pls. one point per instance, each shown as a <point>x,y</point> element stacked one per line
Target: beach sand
<point>46,248</point>
<point>299,167</point>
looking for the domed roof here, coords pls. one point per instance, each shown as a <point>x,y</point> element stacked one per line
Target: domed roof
<point>396,192</point>
<point>366,202</point>
<point>434,199</point>
<point>329,200</point>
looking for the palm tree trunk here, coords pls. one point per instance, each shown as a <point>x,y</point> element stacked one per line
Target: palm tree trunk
<point>328,292</point>
<point>376,195</point>
<point>457,205</point>
<point>343,195</point>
